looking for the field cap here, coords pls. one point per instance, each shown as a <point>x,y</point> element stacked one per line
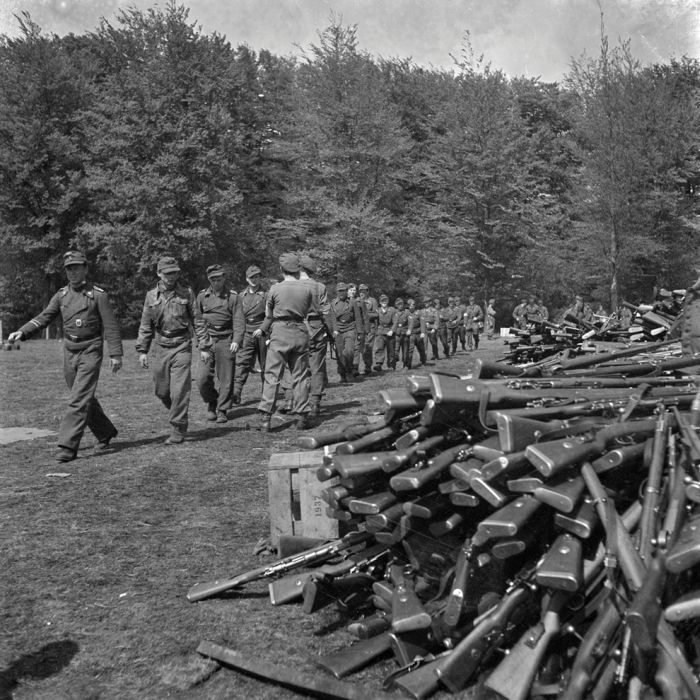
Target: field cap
<point>168,264</point>
<point>289,262</point>
<point>363,287</point>
<point>341,287</point>
<point>398,300</point>
<point>74,257</point>
<point>307,263</point>
<point>383,297</point>
<point>252,270</point>
<point>215,271</point>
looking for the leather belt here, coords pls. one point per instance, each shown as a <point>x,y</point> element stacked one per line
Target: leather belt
<point>78,339</point>
<point>225,327</point>
<point>174,334</point>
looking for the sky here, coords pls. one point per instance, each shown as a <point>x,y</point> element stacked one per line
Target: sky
<point>535,38</point>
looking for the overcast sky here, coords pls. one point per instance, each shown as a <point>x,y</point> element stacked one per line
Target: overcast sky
<point>521,37</point>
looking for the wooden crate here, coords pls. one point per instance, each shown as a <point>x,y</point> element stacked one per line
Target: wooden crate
<point>294,495</point>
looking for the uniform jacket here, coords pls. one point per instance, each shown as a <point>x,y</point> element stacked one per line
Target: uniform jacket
<point>532,313</point>
<point>451,314</point>
<point>370,312</point>
<point>216,311</point>
<point>170,317</point>
<point>249,313</point>
<point>518,312</point>
<point>402,321</point>
<point>322,305</point>
<point>386,320</point>
<point>431,318</point>
<point>290,301</point>
<point>346,316</point>
<point>87,317</point>
<point>472,317</point>
<point>416,322</point>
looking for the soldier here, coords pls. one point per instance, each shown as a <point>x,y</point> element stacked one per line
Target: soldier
<point>169,314</point>
<point>88,320</point>
<point>384,341</point>
<point>289,302</point>
<point>372,308</point>
<point>362,335</point>
<point>250,313</point>
<point>490,318</point>
<point>473,317</point>
<point>444,314</point>
<point>575,312</point>
<point>543,310</point>
<point>215,308</point>
<point>531,312</point>
<point>346,321</point>
<point>416,334</point>
<point>318,324</point>
<point>432,319</point>
<point>461,330</point>
<point>453,322</point>
<point>401,337</point>
<point>519,314</point>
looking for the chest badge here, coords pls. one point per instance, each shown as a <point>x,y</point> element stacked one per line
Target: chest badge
<point>78,322</point>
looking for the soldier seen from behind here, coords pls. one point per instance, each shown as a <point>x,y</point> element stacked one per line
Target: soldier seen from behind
<point>88,320</point>
<point>215,308</point>
<point>167,321</point>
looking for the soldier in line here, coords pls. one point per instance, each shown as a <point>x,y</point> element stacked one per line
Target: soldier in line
<point>543,310</point>
<point>416,334</point>
<point>168,315</point>
<point>453,321</point>
<point>289,302</point>
<point>432,320</point>
<point>318,323</point>
<point>88,320</point>
<point>443,314</point>
<point>384,341</point>
<point>346,320</point>
<point>490,318</point>
<point>246,345</point>
<point>362,335</point>
<point>215,308</point>
<point>401,337</point>
<point>461,330</point>
<point>473,317</point>
<point>371,308</point>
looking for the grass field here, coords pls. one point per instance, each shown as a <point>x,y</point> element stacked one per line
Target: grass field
<point>96,560</point>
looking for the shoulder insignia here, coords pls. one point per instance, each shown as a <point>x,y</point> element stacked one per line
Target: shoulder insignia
<point>89,293</point>
<point>63,291</point>
<point>99,289</point>
<point>203,291</point>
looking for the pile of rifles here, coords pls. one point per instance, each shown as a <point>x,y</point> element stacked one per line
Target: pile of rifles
<point>517,537</point>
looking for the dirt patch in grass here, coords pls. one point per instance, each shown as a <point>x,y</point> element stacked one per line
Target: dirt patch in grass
<point>96,565</point>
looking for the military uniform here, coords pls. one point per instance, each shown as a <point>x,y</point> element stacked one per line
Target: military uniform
<point>288,304</point>
<point>217,311</point>
<point>88,320</point>
<point>384,340</point>
<point>416,335</point>
<point>531,313</point>
<point>472,323</point>
<point>444,315</point>
<point>431,318</point>
<point>371,306</point>
<point>249,316</point>
<point>167,318</point>
<point>490,320</point>
<point>453,323</point>
<point>401,336</point>
<point>346,320</point>
<point>461,333</point>
<point>519,315</point>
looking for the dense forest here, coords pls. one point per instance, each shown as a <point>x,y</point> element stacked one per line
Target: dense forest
<point>147,136</point>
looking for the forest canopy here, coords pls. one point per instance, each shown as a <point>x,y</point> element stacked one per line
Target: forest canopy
<point>147,136</point>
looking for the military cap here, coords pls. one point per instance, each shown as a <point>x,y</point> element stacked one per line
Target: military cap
<point>215,271</point>
<point>168,264</point>
<point>307,263</point>
<point>289,262</point>
<point>397,300</point>
<point>252,270</point>
<point>383,297</point>
<point>363,287</point>
<point>74,257</point>
<point>341,287</point>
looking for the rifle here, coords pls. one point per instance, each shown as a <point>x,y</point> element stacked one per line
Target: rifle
<point>346,661</point>
<point>350,432</point>
<point>323,552</point>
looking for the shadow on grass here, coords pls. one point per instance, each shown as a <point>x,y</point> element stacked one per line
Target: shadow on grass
<point>331,627</point>
<point>49,660</point>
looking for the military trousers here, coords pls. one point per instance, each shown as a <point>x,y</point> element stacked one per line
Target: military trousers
<point>368,349</point>
<point>220,365</point>
<point>432,336</point>
<point>444,340</point>
<point>472,338</point>
<point>81,369</point>
<point>415,342</point>
<point>289,347</point>
<point>345,352</point>
<point>250,349</point>
<point>384,348</point>
<point>318,353</point>
<point>490,326</point>
<point>172,375</point>
<point>401,348</point>
<point>453,338</point>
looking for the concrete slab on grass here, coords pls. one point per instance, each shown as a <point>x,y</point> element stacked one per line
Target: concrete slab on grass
<point>8,435</point>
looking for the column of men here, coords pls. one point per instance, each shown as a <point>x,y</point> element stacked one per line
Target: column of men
<point>285,327</point>
<point>380,335</point>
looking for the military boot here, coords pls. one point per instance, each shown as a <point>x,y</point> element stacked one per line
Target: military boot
<point>264,426</point>
<point>211,412</point>
<point>315,408</point>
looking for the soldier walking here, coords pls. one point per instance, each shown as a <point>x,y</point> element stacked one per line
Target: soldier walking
<point>490,318</point>
<point>168,317</point>
<point>362,334</point>
<point>384,340</point>
<point>401,337</point>
<point>88,320</point>
<point>431,318</point>
<point>246,345</point>
<point>289,302</point>
<point>416,334</point>
<point>472,323</point>
<point>371,309</point>
<point>443,314</point>
<point>215,308</point>
<point>346,319</point>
